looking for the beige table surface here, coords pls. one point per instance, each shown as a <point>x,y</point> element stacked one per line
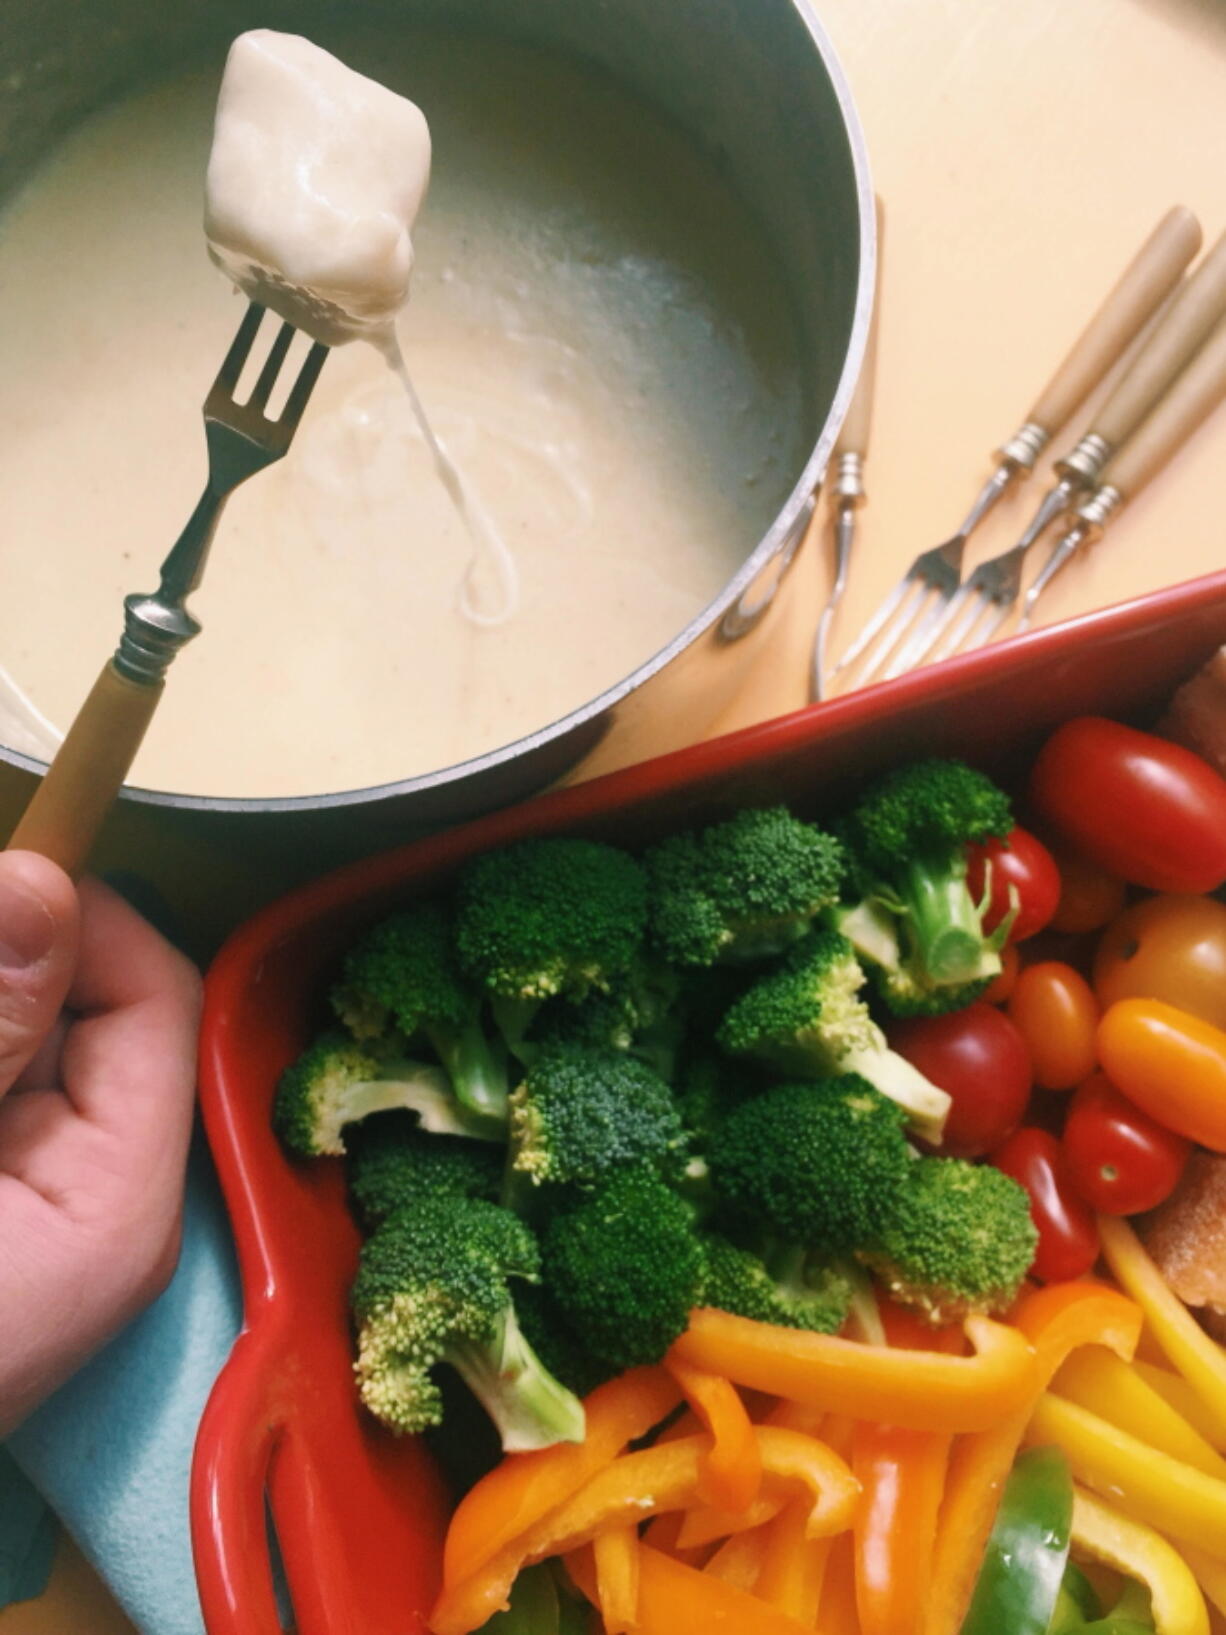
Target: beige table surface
<point>1023,151</point>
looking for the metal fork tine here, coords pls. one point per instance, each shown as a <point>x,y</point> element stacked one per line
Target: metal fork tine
<point>240,349</point>
<point>911,609</point>
<point>303,386</point>
<point>875,623</point>
<point>272,368</point>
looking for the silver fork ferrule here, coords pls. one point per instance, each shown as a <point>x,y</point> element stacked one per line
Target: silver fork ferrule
<point>848,485</point>
<point>1096,512</point>
<point>154,632</point>
<point>1082,465</point>
<point>1024,447</point>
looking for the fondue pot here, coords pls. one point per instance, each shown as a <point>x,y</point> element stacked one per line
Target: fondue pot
<point>755,85</point>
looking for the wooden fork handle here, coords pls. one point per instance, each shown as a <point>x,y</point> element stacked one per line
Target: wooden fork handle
<point>1146,282</point>
<point>1182,330</point>
<point>80,786</point>
<point>1192,398</point>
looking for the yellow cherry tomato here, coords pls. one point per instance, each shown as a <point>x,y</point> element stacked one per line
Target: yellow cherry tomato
<point>1170,947</point>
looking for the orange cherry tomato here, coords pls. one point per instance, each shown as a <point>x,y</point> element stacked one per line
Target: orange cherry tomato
<point>1168,947</point>
<point>1000,987</point>
<point>1089,896</point>
<point>1054,1009</point>
<point>1172,1065</point>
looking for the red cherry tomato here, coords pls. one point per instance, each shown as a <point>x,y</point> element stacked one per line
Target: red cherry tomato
<point>1055,1010</point>
<point>1121,1161</point>
<point>1089,896</point>
<point>1000,987</point>
<point>1068,1236</point>
<point>1020,861</point>
<point>1138,806</point>
<point>979,1058</point>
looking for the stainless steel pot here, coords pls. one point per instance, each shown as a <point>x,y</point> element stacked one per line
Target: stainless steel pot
<point>756,84</point>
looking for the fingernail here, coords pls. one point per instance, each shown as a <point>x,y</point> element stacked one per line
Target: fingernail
<point>27,928</point>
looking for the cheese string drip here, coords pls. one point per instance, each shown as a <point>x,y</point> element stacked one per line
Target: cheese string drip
<point>489,592</point>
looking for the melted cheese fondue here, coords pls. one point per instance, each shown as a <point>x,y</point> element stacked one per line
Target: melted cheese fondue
<point>595,332</point>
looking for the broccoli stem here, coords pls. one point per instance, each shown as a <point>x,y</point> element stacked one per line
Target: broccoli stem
<point>926,1106</point>
<point>948,933</point>
<point>530,1408</point>
<point>477,1076</point>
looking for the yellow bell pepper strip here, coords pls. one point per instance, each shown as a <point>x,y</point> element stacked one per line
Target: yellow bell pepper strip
<point>902,1476</point>
<point>1171,1064</point>
<point>838,1614</point>
<point>1186,1345</point>
<point>616,1555</point>
<point>1056,1320</point>
<point>734,1466</point>
<point>634,1487</point>
<point>738,1560</point>
<point>919,1390</point>
<point>523,1487</point>
<point>793,1566</point>
<point>1152,1487</point>
<point>1096,1380</point>
<point>1103,1534</point>
<point>1210,1574</point>
<point>677,1600</point>
<point>1179,1395</point>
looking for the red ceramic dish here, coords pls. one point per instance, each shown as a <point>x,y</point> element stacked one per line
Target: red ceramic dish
<point>359,1515</point>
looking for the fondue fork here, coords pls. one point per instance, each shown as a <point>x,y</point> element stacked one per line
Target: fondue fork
<point>69,805</point>
<point>848,488</point>
<point>985,600</point>
<point>1193,397</point>
<point>910,610</point>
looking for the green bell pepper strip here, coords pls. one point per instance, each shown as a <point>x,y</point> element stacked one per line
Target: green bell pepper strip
<point>1076,1605</point>
<point>1026,1555</point>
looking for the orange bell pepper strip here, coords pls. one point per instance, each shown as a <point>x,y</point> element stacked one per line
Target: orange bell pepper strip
<point>838,1615</point>
<point>663,1533</point>
<point>1056,1320</point>
<point>902,1474</point>
<point>526,1486</point>
<point>677,1600</point>
<point>704,1523</point>
<point>634,1487</point>
<point>793,1566</point>
<point>919,1390</point>
<point>738,1560</point>
<point>616,1554</point>
<point>734,1466</point>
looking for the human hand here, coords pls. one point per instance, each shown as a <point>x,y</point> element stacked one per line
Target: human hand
<point>98,1019</point>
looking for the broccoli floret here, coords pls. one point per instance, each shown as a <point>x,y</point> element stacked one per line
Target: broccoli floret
<point>816,1162</point>
<point>793,1289</point>
<point>336,1082</point>
<point>433,1287</point>
<point>580,1113</point>
<point>956,1238</point>
<point>708,1087</point>
<point>743,889</point>
<point>626,1267</point>
<point>393,1163</point>
<point>404,975</point>
<point>556,1343</point>
<point>553,916</point>
<point>806,1019</point>
<point>908,835</point>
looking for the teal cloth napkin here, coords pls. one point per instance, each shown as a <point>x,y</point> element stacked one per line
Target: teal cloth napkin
<point>111,1451</point>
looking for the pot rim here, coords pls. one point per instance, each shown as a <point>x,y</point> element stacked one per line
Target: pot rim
<point>772,543</point>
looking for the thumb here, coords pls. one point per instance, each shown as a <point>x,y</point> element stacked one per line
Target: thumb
<point>38,950</point>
